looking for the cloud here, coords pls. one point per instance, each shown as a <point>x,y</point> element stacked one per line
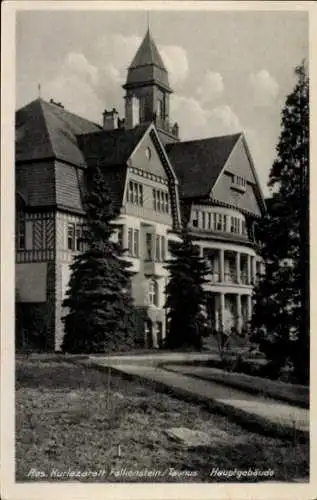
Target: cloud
<point>76,63</point>
<point>264,88</point>
<point>224,119</point>
<point>117,50</point>
<point>88,85</point>
<point>196,121</point>
<point>176,62</point>
<point>211,87</point>
<point>76,95</point>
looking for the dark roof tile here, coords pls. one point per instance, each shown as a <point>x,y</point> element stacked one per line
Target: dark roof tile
<point>147,65</point>
<point>46,130</point>
<point>110,147</point>
<point>198,163</point>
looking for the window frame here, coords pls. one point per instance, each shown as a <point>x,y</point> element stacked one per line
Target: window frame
<point>136,239</point>
<point>153,292</point>
<point>21,230</point>
<point>148,247</point>
<point>130,241</point>
<point>71,235</point>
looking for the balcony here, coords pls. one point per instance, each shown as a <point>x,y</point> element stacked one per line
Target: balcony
<point>155,268</point>
<point>230,277</point>
<point>134,261</point>
<point>244,278</point>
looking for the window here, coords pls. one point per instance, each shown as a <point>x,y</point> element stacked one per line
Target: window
<point>142,104</point>
<point>148,246</point>
<point>157,248</point>
<point>160,108</point>
<point>71,237</point>
<point>209,221</point>
<point>160,201</point>
<point>120,236</point>
<point>130,192</point>
<point>219,222</point>
<point>235,225</point>
<point>163,252</point>
<point>135,193</point>
<point>78,238</point>
<point>203,220</point>
<point>20,231</point>
<point>153,292</point>
<point>130,241</point>
<point>166,203</point>
<point>154,199</point>
<point>195,219</point>
<point>239,182</point>
<point>148,153</point>
<point>225,218</point>
<point>133,242</point>
<point>136,243</point>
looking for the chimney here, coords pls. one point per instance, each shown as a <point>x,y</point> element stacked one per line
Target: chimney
<point>110,119</point>
<point>175,130</point>
<point>59,104</point>
<point>132,111</point>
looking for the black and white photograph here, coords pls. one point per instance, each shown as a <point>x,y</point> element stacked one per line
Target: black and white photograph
<point>161,245</point>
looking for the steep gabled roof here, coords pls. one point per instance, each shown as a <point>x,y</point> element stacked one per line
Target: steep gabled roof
<point>111,151</point>
<point>198,163</point>
<point>148,54</point>
<point>45,130</point>
<point>110,147</point>
<point>147,66</point>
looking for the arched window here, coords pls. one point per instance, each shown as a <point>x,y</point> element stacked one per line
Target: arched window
<point>20,223</point>
<point>153,292</point>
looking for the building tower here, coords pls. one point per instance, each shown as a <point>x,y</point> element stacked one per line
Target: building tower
<point>148,91</point>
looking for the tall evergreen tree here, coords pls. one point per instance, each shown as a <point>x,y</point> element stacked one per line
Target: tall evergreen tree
<point>100,311</point>
<point>186,299</point>
<point>282,300</point>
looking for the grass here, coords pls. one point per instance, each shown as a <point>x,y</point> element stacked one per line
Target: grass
<point>66,421</point>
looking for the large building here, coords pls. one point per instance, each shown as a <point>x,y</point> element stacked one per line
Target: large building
<point>158,183</point>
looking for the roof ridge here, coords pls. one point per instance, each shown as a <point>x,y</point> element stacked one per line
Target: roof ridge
<point>61,110</point>
<point>148,44</point>
<point>48,135</point>
<point>205,139</point>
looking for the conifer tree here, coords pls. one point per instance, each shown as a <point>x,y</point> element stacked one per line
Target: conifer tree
<point>281,314</point>
<point>100,312</point>
<point>186,299</point>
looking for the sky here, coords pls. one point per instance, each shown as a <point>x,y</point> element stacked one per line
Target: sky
<point>230,70</point>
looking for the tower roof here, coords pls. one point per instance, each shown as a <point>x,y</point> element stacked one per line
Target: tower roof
<point>147,66</point>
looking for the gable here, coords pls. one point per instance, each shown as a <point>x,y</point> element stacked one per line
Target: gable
<point>198,163</point>
<point>146,158</point>
<point>238,163</point>
<point>247,199</point>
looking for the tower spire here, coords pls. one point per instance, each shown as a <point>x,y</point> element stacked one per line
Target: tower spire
<point>148,20</point>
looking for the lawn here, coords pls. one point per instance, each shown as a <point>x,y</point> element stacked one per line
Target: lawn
<point>69,426</point>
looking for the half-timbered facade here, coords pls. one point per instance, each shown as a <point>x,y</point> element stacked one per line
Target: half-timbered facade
<point>158,184</point>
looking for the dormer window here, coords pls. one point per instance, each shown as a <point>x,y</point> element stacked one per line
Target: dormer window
<point>239,183</point>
